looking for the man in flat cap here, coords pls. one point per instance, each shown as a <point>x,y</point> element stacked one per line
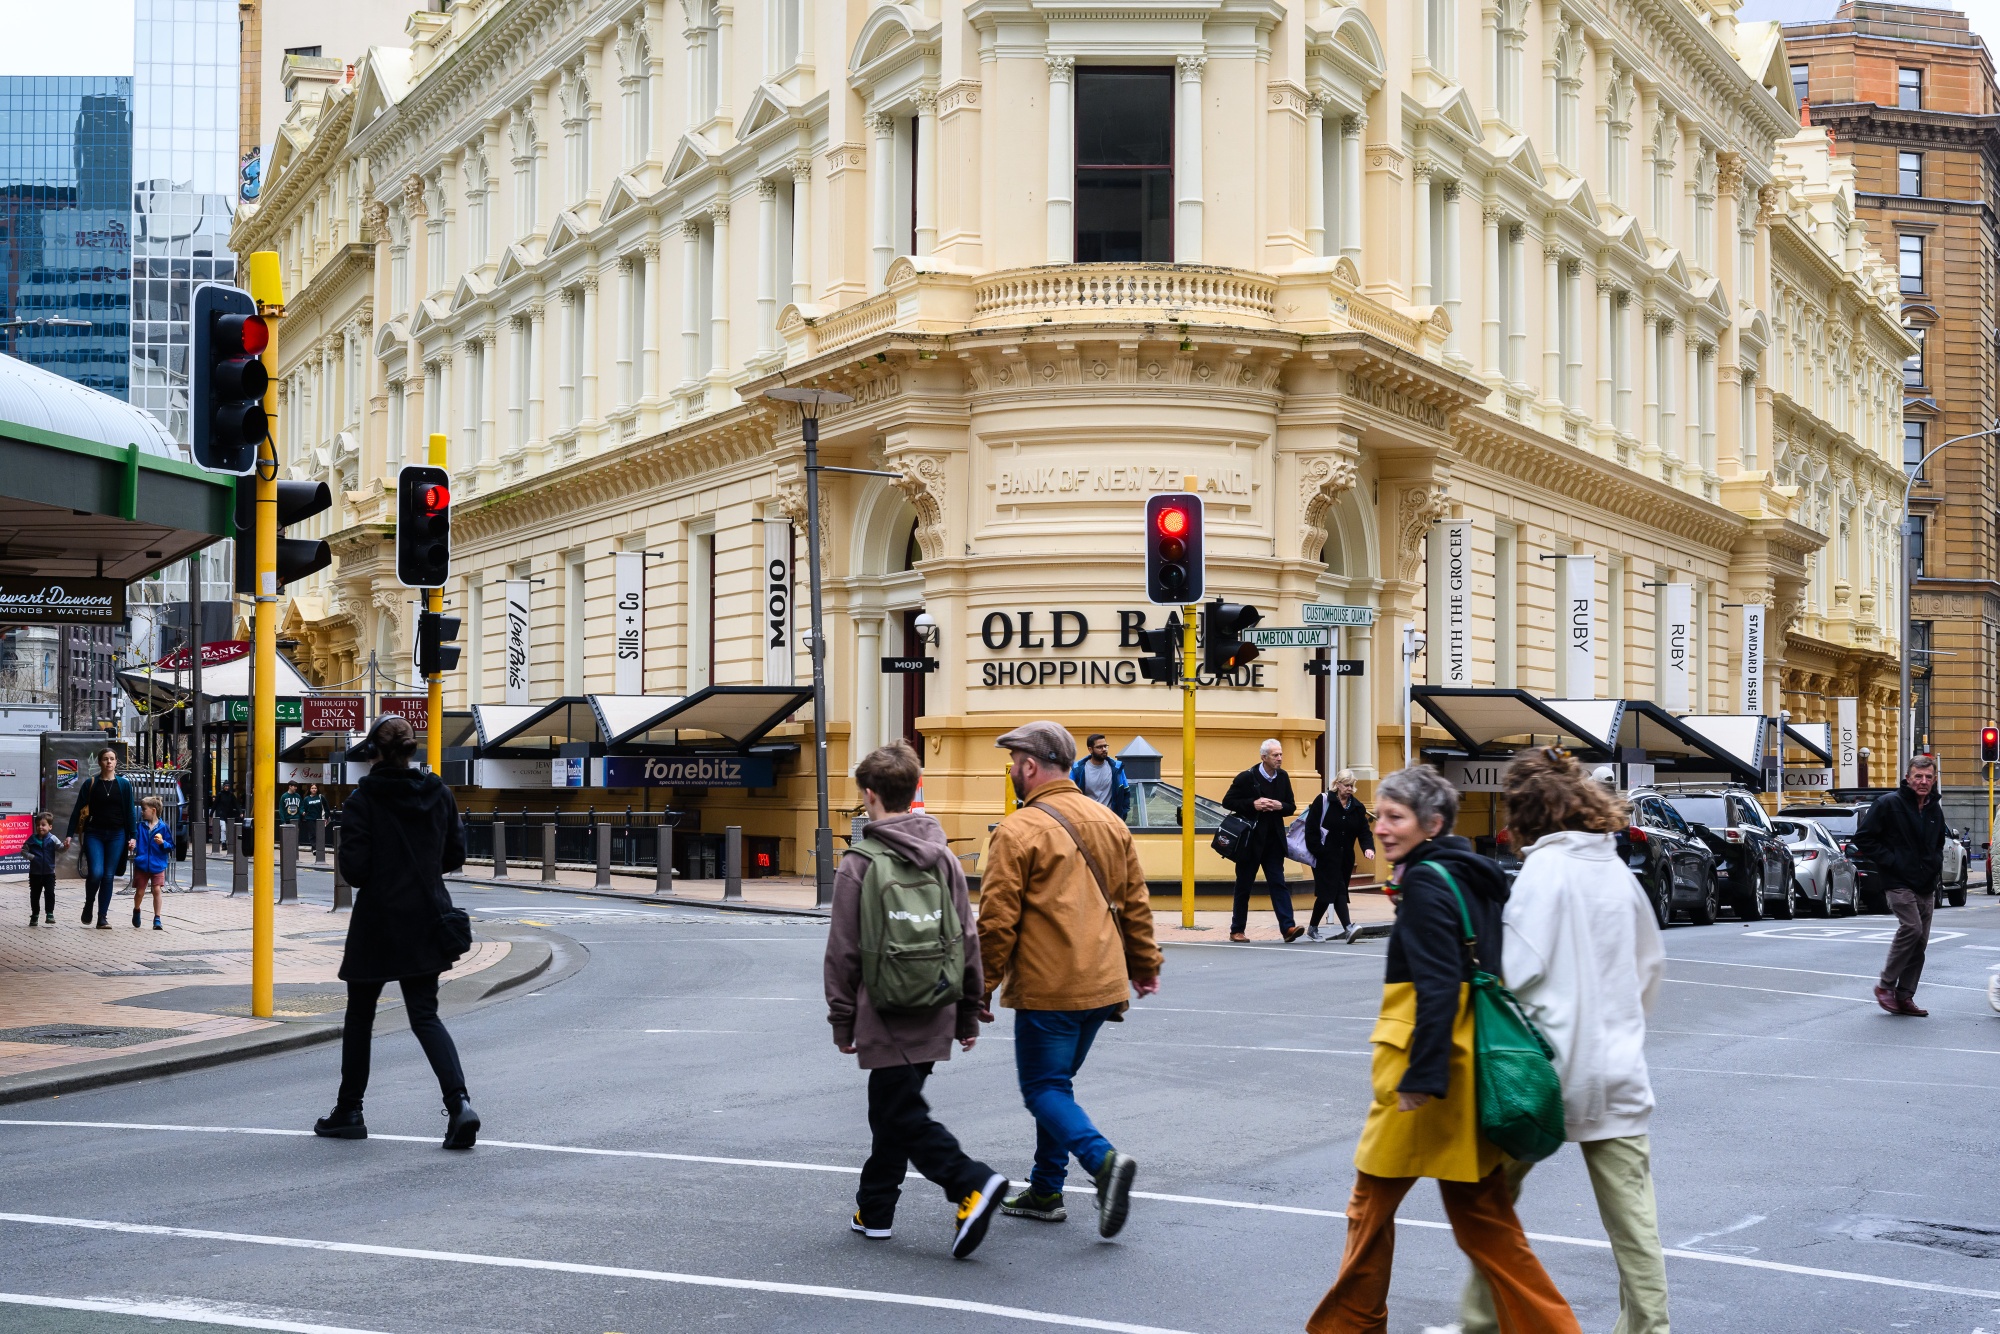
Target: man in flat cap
<point>1066,932</point>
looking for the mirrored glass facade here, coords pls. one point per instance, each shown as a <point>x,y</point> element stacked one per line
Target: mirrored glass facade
<point>65,226</point>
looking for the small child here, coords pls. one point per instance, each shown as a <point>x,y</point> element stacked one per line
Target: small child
<point>149,858</point>
<point>41,852</point>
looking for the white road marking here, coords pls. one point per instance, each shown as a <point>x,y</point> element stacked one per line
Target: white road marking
<point>1829,1042</point>
<point>1816,972</point>
<point>1208,1046</point>
<point>194,1313</point>
<point>1556,1239</point>
<point>594,1271</point>
<point>1142,1007</point>
<point>1832,1079</point>
<point>1747,1221</point>
<point>1775,991</point>
<point>1846,935</point>
<point>1275,948</point>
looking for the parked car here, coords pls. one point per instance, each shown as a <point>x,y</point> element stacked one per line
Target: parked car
<point>1753,867</point>
<point>1957,867</point>
<point>1673,862</point>
<point>1840,820</point>
<point>1824,872</point>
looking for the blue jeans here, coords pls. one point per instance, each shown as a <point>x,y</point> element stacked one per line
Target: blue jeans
<point>100,851</point>
<point>1049,1047</point>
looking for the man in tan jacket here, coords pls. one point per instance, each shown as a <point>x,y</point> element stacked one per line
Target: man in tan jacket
<point>1066,932</point>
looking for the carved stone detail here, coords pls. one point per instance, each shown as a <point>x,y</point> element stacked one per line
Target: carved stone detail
<point>923,482</point>
<point>1320,483</point>
<point>1417,508</point>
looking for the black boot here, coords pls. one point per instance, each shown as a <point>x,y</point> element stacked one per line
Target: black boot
<point>342,1122</point>
<point>463,1130</point>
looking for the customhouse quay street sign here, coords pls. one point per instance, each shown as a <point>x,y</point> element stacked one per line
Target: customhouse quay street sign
<point>1332,613</point>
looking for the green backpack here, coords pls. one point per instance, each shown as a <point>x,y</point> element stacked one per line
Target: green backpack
<point>1514,1075</point>
<point>912,943</point>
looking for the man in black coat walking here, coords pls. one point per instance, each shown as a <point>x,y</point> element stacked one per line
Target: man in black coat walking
<point>1902,837</point>
<point>1262,794</point>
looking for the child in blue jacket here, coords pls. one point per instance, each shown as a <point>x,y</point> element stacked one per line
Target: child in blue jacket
<point>154,848</point>
<point>41,851</point>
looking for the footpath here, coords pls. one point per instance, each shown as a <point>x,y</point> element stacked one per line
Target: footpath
<point>83,1007</point>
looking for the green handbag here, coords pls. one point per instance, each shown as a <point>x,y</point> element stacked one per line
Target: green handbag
<point>1514,1075</point>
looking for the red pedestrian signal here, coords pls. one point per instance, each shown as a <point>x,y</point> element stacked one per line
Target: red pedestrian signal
<point>1175,568</point>
<point>1989,745</point>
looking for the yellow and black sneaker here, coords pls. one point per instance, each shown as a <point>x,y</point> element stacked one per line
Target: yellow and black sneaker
<point>872,1233</point>
<point>975,1211</point>
<point>1042,1208</point>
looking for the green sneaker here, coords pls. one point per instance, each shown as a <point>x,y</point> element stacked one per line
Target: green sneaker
<point>1114,1192</point>
<point>1042,1208</point>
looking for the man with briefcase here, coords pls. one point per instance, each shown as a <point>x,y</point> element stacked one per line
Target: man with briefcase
<point>1262,796</point>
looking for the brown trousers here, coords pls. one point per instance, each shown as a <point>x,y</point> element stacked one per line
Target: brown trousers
<point>1484,1225</point>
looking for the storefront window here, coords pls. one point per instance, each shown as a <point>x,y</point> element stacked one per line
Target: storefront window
<point>1124,165</point>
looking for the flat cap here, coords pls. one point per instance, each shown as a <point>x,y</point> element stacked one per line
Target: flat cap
<point>1046,741</point>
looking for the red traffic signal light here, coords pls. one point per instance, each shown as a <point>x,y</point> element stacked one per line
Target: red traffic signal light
<point>435,500</point>
<point>1989,745</point>
<point>1172,521</point>
<point>1175,573</point>
<point>423,526</point>
<point>248,335</point>
<point>226,380</point>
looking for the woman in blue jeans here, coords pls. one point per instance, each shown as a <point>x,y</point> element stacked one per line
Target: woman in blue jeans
<point>110,827</point>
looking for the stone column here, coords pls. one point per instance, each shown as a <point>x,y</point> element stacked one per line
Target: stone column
<point>718,300</point>
<point>1350,187</point>
<point>566,386</point>
<point>538,335</point>
<point>1420,248</point>
<point>1187,163</point>
<point>767,267</point>
<point>1489,324</point>
<point>1649,370</point>
<point>1691,452</point>
<point>1623,309</point>
<point>867,682</point>
<point>1453,343</point>
<point>468,438</point>
<point>590,412</point>
<point>489,393</point>
<point>882,175</point>
<point>923,133</point>
<point>649,322</point>
<point>1671,336</point>
<point>691,368</point>
<point>1316,175</point>
<point>1605,344</point>
<point>802,230</point>
<point>1062,161</point>
<point>1517,307</point>
<point>622,347</point>
<point>1552,348</point>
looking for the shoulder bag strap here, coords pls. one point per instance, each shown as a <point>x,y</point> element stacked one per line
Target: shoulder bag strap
<point>1464,918</point>
<point>1096,872</point>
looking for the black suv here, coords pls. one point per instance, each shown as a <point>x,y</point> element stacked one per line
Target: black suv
<point>1753,866</point>
<point>1672,861</point>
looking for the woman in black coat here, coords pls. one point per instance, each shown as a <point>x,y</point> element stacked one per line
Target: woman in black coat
<point>1335,821</point>
<point>399,834</point>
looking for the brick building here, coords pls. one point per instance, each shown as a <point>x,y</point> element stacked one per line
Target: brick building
<point>1909,96</point>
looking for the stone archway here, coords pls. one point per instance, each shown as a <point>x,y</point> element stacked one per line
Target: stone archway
<point>883,594</point>
<point>1352,576</point>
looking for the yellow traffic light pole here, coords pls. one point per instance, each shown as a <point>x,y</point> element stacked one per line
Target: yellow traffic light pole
<point>267,290</point>
<point>434,603</point>
<point>1188,650</point>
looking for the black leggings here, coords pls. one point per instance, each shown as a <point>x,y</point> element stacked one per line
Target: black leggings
<point>420,999</point>
<point>41,889</point>
<point>1330,886</point>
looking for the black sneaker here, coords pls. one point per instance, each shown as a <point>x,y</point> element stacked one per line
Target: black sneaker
<point>882,1233</point>
<point>341,1123</point>
<point>975,1213</point>
<point>135,919</point>
<point>86,914</point>
<point>1043,1208</point>
<point>1114,1192</point>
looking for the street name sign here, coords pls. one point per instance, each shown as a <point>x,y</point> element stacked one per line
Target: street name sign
<point>908,666</point>
<point>289,712</point>
<point>412,709</point>
<point>1332,613</point>
<point>333,713</point>
<point>1289,636</point>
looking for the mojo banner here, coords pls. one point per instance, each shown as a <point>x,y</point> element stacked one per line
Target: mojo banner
<point>778,661</point>
<point>628,580</point>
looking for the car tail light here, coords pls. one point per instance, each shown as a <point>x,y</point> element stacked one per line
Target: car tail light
<point>1635,833</point>
<point>1805,854</point>
<point>1732,836</point>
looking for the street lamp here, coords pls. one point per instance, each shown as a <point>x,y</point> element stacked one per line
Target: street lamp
<point>46,322</point>
<point>1903,739</point>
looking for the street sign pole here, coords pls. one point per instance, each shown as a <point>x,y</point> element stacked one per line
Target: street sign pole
<point>434,603</point>
<point>1189,661</point>
<point>267,290</point>
<point>1332,710</point>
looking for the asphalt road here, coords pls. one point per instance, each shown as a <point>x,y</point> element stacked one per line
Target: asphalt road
<point>671,1139</point>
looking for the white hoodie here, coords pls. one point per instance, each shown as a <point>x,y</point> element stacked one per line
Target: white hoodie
<point>1583,954</point>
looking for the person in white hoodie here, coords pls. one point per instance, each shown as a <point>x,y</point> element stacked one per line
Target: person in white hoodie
<point>1583,954</point>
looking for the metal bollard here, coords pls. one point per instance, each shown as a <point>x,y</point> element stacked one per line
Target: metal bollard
<point>663,870</point>
<point>239,871</point>
<point>288,863</point>
<point>319,842</point>
<point>603,855</point>
<point>549,853</point>
<point>499,848</point>
<point>198,854</point>
<point>343,893</point>
<point>732,862</point>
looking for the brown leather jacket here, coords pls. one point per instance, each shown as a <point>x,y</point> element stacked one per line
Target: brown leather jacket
<point>1046,936</point>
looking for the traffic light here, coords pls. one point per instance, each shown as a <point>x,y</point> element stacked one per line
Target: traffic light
<point>297,556</point>
<point>1989,745</point>
<point>1174,559</point>
<point>423,526</point>
<point>436,654</point>
<point>1222,627</point>
<point>1162,663</point>
<point>226,394</point>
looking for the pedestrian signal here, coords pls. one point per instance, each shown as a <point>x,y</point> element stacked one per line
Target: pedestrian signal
<point>1162,663</point>
<point>1222,627</point>
<point>436,654</point>
<point>423,526</point>
<point>1175,561</point>
<point>227,379</point>
<point>297,556</point>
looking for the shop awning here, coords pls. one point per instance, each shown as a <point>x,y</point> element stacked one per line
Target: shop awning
<point>1483,721</point>
<point>496,720</point>
<point>151,688</point>
<point>314,747</point>
<point>742,714</point>
<point>563,722</point>
<point>618,715</point>
<point>1817,738</point>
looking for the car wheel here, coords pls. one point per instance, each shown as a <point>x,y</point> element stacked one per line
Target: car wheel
<point>1956,895</point>
<point>1750,903</point>
<point>1823,905</point>
<point>1663,896</point>
<point>1788,897</point>
<point>1853,901</point>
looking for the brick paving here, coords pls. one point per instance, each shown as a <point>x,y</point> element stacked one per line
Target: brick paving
<point>79,994</point>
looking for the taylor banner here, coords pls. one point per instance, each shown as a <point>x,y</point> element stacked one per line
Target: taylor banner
<point>1677,661</point>
<point>1846,742</point>
<point>1579,611</point>
<point>628,577</point>
<point>1750,632</point>
<point>778,661</point>
<point>517,640</point>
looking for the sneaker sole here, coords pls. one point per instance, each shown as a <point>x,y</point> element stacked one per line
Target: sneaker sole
<point>354,1132</point>
<point>872,1233</point>
<point>1115,1203</point>
<point>1039,1215</point>
<point>973,1230</point>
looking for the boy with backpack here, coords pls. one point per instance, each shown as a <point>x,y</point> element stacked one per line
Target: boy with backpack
<point>903,980</point>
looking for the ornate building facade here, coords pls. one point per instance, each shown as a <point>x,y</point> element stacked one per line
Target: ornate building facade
<point>1533,276</point>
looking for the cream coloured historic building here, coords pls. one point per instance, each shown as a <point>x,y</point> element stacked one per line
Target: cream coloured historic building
<point>1567,275</point>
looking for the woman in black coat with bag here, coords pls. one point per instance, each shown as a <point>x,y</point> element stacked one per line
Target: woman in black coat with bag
<point>1335,822</point>
<point>399,834</point>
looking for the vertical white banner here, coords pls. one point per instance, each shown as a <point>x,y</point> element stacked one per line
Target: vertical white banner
<point>1846,742</point>
<point>1677,635</point>
<point>628,588</point>
<point>778,660</point>
<point>1750,635</point>
<point>1579,626</point>
<point>1456,587</point>
<point>517,640</point>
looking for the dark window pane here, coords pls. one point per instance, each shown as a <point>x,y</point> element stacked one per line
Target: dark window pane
<point>1124,117</point>
<point>1124,216</point>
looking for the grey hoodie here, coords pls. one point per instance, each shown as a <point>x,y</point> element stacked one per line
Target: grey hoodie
<point>896,1039</point>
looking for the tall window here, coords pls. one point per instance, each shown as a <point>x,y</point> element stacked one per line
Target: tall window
<point>574,590</point>
<point>701,609</point>
<point>1909,173</point>
<point>1124,165</point>
<point>1910,89</point>
<point>1913,446</point>
<point>1504,576</point>
<point>1913,365</point>
<point>1910,262</point>
<point>1801,83</point>
<point>475,623</point>
<point>1920,682</point>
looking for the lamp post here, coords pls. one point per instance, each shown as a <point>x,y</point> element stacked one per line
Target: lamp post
<point>1903,740</point>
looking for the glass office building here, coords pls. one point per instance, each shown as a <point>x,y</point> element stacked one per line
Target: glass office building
<point>65,226</point>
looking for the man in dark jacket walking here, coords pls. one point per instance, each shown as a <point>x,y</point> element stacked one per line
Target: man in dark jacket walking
<point>1262,794</point>
<point>898,1048</point>
<point>1902,838</point>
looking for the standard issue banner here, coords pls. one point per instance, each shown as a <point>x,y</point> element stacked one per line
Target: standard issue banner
<point>25,599</point>
<point>1750,635</point>
<point>628,580</point>
<point>1579,626</point>
<point>1451,596</point>
<point>1677,629</point>
<point>1846,742</point>
<point>517,640</point>
<point>778,660</point>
